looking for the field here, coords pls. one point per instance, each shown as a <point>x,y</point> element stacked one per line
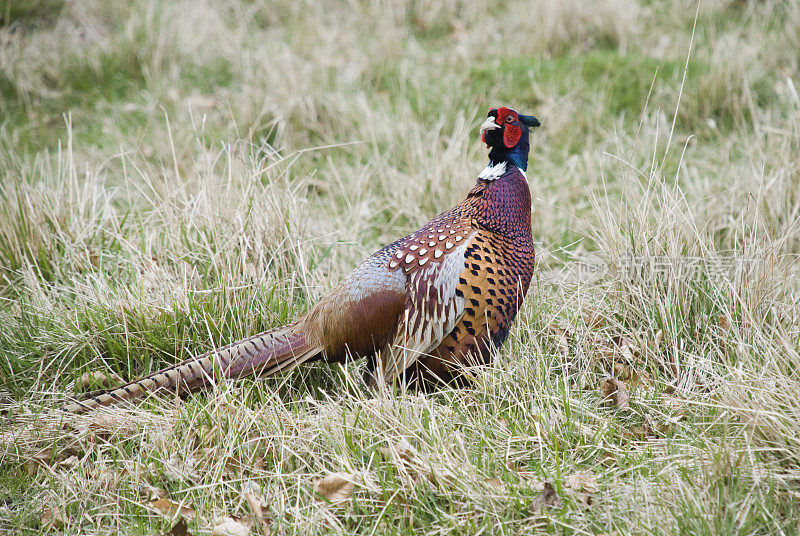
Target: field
<point>175,176</point>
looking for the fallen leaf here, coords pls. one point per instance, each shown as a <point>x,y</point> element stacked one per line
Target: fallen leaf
<point>178,469</point>
<point>258,505</point>
<point>582,481</point>
<point>640,379</point>
<point>583,381</point>
<point>629,374</point>
<point>151,492</point>
<point>336,488</point>
<point>44,456</point>
<point>399,451</point>
<point>69,463</point>
<point>663,428</point>
<point>659,338</point>
<point>623,342</point>
<point>592,318</point>
<point>560,338</point>
<point>227,526</point>
<point>496,484</point>
<point>53,519</point>
<point>179,529</point>
<point>547,499</point>
<point>608,459</point>
<point>615,392</point>
<point>31,468</point>
<point>627,352</point>
<point>169,508</point>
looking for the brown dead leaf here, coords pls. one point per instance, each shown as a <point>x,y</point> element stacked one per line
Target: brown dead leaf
<point>152,493</point>
<point>180,528</point>
<point>659,339</point>
<point>53,519</point>
<point>169,508</point>
<point>336,488</point>
<point>614,392</point>
<point>640,379</point>
<point>561,338</point>
<point>640,432</point>
<point>67,458</point>
<point>69,463</point>
<point>624,342</point>
<point>582,481</point>
<point>663,428</point>
<point>178,469</point>
<point>496,484</point>
<point>627,352</point>
<point>228,526</point>
<point>593,318</point>
<point>628,374</point>
<point>258,505</point>
<point>582,485</point>
<point>398,451</point>
<point>31,468</point>
<point>547,499</point>
<point>45,456</point>
<point>584,383</point>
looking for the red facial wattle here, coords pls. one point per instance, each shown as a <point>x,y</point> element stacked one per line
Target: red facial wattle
<point>511,135</point>
<point>511,131</point>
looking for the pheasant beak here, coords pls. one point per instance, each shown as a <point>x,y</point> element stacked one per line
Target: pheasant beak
<point>489,124</point>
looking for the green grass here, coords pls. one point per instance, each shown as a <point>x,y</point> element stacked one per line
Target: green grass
<point>173,179</point>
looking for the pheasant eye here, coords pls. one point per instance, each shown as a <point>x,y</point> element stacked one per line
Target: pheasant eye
<point>509,119</point>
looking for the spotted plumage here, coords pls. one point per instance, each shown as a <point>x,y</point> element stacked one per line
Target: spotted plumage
<point>421,308</point>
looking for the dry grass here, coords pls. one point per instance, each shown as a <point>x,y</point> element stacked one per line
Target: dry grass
<point>176,176</point>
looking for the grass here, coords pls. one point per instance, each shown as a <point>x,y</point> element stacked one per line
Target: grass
<point>172,179</point>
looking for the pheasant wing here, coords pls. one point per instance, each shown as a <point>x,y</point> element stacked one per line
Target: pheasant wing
<point>432,259</point>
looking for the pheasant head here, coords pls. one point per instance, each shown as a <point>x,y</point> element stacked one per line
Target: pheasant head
<point>505,133</point>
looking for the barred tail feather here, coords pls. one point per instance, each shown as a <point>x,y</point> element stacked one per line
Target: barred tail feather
<point>267,353</point>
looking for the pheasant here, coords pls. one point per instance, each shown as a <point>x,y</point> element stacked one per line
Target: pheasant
<point>420,309</point>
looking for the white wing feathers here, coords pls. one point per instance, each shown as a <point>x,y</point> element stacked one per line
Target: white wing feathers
<point>432,311</point>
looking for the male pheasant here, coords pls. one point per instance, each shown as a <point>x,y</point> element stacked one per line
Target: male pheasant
<point>419,309</point>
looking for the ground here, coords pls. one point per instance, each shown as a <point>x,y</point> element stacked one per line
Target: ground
<point>175,176</point>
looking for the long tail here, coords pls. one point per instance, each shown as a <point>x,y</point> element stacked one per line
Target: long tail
<point>266,353</point>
